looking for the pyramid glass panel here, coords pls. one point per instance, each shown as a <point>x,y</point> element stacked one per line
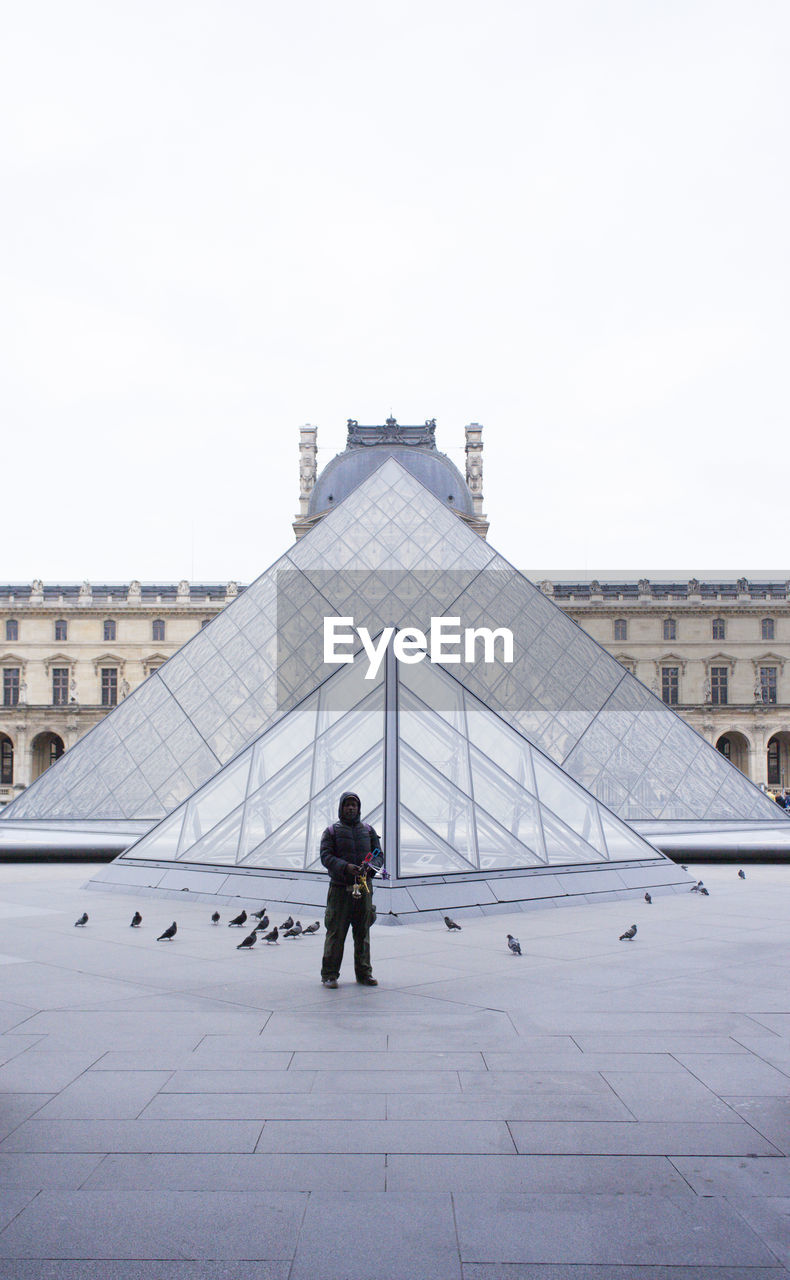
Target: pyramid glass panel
<point>219,847</point>
<point>493,738</point>
<point>423,852</point>
<point>276,801</point>
<point>214,801</point>
<point>349,740</point>
<point>564,846</point>
<point>513,807</point>
<point>161,844</point>
<point>285,849</point>
<point>445,810</point>
<point>283,743</point>
<point>563,796</point>
<point>433,738</point>
<point>499,850</point>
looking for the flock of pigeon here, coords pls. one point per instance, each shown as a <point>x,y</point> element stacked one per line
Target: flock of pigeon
<point>293,929</point>
<point>290,928</point>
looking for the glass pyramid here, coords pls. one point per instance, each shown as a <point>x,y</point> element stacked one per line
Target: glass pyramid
<point>391,553</point>
<point>472,795</point>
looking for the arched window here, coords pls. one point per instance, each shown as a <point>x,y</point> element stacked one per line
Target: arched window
<point>46,749</point>
<point>11,629</point>
<point>6,761</point>
<point>620,629</point>
<point>109,628</point>
<point>670,629</point>
<point>767,629</point>
<point>158,629</point>
<point>61,629</point>
<point>718,629</point>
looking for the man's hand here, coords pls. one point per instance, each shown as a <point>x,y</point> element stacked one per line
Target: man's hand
<point>352,871</point>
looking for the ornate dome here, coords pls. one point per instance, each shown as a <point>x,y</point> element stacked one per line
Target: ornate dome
<point>413,447</point>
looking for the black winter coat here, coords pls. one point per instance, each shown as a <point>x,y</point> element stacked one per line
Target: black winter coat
<point>345,842</point>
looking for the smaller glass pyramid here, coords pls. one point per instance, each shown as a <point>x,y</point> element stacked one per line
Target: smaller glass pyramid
<point>473,795</point>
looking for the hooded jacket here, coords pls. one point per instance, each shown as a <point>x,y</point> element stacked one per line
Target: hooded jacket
<point>347,842</point>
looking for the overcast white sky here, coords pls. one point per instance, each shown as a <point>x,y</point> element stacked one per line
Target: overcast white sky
<point>565,219</point>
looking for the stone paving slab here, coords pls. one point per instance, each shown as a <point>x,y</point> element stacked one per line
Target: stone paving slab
<point>501,1105</point>
<point>230,1081</point>
<point>142,1223</point>
<point>105,1095</point>
<point>53,1172</point>
<point>108,1136</point>
<point>599,1175</point>
<point>667,1097</point>
<point>605,1229</point>
<point>726,1074</point>
<point>140,1269</point>
<point>36,1071</point>
<point>769,1217</point>
<point>769,1116</point>
<point>734,1176</point>
<point>18,1107</point>
<point>387,1236</point>
<point>641,1138</point>
<point>267,1106</point>
<point>221,1173</point>
<point>576,1271</point>
<point>386,1135</point>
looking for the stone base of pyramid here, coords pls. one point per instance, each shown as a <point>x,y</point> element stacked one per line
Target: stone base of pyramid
<point>397,901</point>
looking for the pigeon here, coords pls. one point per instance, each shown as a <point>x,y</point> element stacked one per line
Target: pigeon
<point>514,944</point>
<point>451,923</point>
<point>248,942</point>
<point>704,891</point>
<point>648,898</point>
<point>273,936</point>
<point>293,933</point>
<point>697,888</point>
<point>312,928</point>
<point>741,874</point>
<point>239,920</point>
<point>168,934</point>
<point>263,923</point>
<point>137,920</point>
<point>288,924</point>
<point>82,920</point>
<point>629,934</point>
<point>215,917</point>
<point>259,914</point>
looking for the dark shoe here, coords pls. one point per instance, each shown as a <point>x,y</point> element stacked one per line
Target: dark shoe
<point>368,981</point>
<point>330,982</point>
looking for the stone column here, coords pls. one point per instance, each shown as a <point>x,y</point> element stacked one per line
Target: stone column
<point>474,464</point>
<point>308,452</point>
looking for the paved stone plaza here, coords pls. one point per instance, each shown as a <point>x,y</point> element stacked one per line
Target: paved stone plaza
<point>593,1109</point>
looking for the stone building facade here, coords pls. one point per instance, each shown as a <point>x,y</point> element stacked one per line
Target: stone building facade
<point>69,653</point>
<point>717,652</point>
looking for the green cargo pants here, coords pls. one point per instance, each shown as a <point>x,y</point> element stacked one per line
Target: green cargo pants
<point>343,911</point>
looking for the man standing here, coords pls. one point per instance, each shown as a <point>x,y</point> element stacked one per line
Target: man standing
<point>344,847</point>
